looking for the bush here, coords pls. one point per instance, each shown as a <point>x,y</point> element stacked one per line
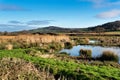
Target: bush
<point>55,46</point>
<point>81,41</point>
<point>85,53</point>
<point>33,52</point>
<point>109,56</point>
<point>87,40</point>
<point>68,45</point>
<point>9,46</point>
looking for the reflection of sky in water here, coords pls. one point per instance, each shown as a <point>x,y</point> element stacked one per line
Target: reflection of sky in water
<point>96,50</point>
<point>93,41</point>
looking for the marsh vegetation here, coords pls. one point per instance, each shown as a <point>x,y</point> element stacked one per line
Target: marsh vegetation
<point>38,57</point>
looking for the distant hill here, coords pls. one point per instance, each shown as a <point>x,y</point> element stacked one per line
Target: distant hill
<point>110,26</point>
<point>55,29</point>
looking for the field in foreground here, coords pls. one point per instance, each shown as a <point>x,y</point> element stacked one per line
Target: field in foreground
<point>36,57</point>
<point>16,64</point>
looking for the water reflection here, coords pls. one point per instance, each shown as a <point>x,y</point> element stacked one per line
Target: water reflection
<point>93,41</point>
<point>96,50</point>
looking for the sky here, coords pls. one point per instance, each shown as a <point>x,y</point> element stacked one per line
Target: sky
<point>18,15</point>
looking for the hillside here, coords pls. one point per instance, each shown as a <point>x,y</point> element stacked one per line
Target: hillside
<point>55,29</point>
<point>110,26</point>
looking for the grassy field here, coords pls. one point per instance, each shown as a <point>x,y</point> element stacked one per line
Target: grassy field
<point>29,58</point>
<point>114,32</point>
<point>65,69</point>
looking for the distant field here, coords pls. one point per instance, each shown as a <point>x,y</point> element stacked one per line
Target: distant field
<point>114,32</point>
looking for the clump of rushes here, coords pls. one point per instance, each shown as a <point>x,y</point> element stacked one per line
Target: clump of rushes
<point>87,40</point>
<point>9,46</point>
<point>68,45</point>
<point>108,56</point>
<point>85,53</point>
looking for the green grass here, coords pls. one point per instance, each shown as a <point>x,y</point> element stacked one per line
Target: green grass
<point>66,69</point>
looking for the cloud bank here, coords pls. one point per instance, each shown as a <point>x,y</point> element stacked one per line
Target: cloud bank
<point>15,22</point>
<point>17,25</point>
<point>39,22</point>
<point>6,7</point>
<point>103,3</point>
<point>109,14</point>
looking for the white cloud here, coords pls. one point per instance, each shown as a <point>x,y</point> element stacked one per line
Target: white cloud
<point>103,3</point>
<point>109,14</point>
<point>39,22</point>
<point>6,7</point>
<point>15,22</point>
<point>96,1</point>
<point>17,25</point>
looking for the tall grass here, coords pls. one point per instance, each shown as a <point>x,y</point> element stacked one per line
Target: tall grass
<point>68,45</point>
<point>18,69</point>
<point>108,56</point>
<point>85,53</point>
<point>28,41</point>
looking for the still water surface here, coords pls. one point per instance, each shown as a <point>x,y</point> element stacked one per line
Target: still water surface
<point>96,50</point>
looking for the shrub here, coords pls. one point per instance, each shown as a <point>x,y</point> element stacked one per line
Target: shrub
<point>68,45</point>
<point>87,40</point>
<point>2,46</point>
<point>109,56</point>
<point>9,46</point>
<point>33,52</point>
<point>55,46</point>
<point>81,41</point>
<point>85,53</point>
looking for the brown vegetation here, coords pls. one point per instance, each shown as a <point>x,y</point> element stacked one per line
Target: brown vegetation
<point>85,53</point>
<point>109,56</point>
<point>17,69</point>
<point>27,41</point>
<point>9,47</point>
<point>36,38</point>
<point>114,41</point>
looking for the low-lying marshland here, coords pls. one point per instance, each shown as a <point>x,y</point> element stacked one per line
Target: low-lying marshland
<point>38,57</point>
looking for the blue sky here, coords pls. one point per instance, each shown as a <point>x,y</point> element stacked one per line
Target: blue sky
<point>29,14</point>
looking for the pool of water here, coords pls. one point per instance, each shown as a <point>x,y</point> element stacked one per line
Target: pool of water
<point>96,50</point>
<point>93,41</point>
